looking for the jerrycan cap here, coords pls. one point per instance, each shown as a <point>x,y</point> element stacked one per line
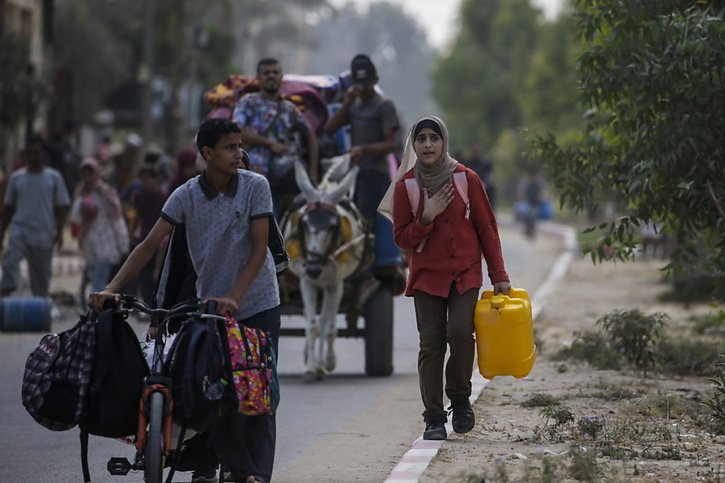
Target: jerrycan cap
<point>498,301</point>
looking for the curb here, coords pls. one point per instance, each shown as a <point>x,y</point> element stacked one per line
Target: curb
<point>416,460</point>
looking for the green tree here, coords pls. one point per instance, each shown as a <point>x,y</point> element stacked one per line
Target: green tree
<point>91,44</point>
<point>652,75</point>
<point>479,82</point>
<point>399,47</point>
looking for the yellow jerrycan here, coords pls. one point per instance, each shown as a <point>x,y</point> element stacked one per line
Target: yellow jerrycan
<point>504,334</point>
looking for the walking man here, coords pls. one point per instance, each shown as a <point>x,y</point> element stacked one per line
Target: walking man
<point>36,203</point>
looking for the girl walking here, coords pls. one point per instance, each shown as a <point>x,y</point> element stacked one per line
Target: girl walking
<point>445,235</point>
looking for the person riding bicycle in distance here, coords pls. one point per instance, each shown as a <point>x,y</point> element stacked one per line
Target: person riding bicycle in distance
<point>225,210</point>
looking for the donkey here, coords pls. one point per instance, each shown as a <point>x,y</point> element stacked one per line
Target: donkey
<point>330,237</point>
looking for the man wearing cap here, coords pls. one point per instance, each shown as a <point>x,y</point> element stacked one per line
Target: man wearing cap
<point>374,122</point>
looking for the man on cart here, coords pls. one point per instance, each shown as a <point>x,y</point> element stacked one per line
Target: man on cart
<point>373,123</point>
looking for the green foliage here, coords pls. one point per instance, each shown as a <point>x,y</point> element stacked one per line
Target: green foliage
<point>396,43</point>
<point>507,69</point>
<point>593,348</point>
<point>556,419</point>
<point>98,42</point>
<point>583,466</point>
<point>688,357</point>
<point>590,426</point>
<point>539,400</point>
<point>712,322</point>
<point>716,403</point>
<point>616,393</point>
<point>652,75</point>
<point>635,335</point>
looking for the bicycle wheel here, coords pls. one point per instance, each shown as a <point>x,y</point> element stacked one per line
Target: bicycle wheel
<point>153,467</point>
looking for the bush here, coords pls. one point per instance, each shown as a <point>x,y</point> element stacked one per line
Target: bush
<point>540,400</point>
<point>635,335</point>
<point>683,357</point>
<point>709,322</point>
<point>593,348</point>
<point>717,402</point>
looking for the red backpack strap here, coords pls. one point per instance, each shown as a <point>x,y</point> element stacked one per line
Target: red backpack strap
<point>411,186</point>
<point>461,182</point>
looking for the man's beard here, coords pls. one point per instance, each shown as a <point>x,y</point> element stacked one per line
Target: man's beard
<point>271,90</point>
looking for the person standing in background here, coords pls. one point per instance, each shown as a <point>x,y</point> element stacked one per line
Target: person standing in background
<point>36,203</point>
<point>147,204</point>
<point>101,229</point>
<point>483,167</point>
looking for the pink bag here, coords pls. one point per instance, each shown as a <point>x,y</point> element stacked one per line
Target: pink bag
<point>252,364</point>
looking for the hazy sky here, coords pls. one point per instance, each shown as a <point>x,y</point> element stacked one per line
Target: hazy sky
<point>438,17</point>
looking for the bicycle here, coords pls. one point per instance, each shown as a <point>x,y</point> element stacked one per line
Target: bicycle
<point>154,435</point>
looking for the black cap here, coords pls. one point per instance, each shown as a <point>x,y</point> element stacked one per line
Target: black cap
<point>363,70</point>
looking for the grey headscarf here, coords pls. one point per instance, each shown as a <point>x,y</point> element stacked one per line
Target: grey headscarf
<point>434,176</point>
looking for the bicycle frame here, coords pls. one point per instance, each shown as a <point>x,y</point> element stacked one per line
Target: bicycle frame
<point>157,382</point>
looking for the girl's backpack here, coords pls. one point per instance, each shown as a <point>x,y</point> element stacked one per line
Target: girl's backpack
<point>57,376</point>
<point>414,196</point>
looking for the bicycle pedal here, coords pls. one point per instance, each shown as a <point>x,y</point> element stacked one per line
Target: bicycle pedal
<point>119,466</point>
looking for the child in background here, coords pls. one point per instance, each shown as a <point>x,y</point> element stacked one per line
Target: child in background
<point>147,203</point>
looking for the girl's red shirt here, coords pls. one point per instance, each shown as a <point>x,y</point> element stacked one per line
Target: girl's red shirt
<point>452,252</point>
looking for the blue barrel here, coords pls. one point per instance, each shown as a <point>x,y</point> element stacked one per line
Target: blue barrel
<point>386,251</point>
<point>25,314</point>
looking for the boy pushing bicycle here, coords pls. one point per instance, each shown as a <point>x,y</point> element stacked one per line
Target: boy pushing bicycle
<point>225,210</point>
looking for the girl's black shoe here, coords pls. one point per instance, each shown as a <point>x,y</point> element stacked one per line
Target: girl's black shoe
<point>435,430</point>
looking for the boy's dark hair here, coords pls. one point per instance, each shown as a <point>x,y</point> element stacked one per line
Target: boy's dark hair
<point>148,169</point>
<point>212,130</point>
<point>152,157</point>
<point>266,61</point>
<point>35,139</point>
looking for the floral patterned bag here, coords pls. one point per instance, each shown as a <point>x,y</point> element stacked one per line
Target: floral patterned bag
<point>253,368</point>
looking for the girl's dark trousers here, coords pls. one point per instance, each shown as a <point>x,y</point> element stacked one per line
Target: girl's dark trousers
<point>444,321</point>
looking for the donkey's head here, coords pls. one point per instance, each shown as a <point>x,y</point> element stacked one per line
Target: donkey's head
<point>320,224</point>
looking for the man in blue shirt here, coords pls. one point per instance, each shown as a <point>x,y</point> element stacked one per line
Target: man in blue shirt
<point>36,202</point>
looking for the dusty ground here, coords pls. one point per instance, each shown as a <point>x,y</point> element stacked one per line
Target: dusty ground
<point>650,429</point>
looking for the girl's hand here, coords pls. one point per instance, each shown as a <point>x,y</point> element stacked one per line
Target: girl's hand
<point>501,287</point>
<point>437,204</point>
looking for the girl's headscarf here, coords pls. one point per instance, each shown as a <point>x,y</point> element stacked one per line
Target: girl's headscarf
<point>430,177</point>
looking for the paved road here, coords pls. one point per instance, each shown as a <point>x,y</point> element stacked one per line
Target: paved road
<point>348,427</point>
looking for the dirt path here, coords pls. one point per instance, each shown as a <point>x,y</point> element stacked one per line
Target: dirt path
<point>624,427</point>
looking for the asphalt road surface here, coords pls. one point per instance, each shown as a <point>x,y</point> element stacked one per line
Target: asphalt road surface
<point>348,427</point>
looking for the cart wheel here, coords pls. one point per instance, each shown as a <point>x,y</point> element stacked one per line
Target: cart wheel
<point>379,332</point>
<point>154,464</point>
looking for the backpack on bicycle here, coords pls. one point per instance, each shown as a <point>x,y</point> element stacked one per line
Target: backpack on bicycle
<point>196,364</point>
<point>57,375</point>
<point>118,372</point>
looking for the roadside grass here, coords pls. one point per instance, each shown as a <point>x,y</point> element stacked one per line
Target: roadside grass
<point>638,423</point>
<point>647,423</point>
